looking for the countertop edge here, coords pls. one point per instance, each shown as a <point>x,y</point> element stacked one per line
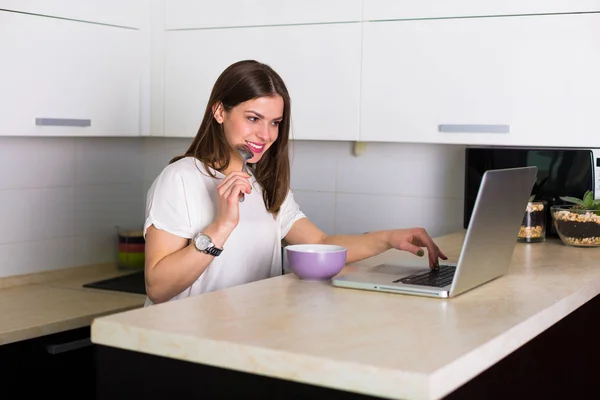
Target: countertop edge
<point>445,380</point>
<point>32,332</point>
<point>48,276</point>
<point>306,369</point>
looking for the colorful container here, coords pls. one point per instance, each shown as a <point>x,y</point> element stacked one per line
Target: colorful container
<point>131,249</point>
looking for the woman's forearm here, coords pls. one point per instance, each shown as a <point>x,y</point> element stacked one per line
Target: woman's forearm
<point>177,271</point>
<point>362,246</point>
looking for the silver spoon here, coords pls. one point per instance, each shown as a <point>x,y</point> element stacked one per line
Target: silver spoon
<point>246,154</point>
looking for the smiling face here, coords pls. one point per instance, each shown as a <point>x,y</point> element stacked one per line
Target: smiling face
<point>254,123</point>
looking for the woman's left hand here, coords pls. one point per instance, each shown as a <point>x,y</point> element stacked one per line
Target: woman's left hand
<point>413,240</point>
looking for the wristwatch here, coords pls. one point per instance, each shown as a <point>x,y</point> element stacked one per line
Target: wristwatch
<point>204,244</point>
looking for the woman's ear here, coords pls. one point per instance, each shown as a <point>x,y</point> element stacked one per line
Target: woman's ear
<point>217,110</point>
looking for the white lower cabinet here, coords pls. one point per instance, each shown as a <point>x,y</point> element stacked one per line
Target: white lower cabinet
<point>530,80</point>
<point>320,65</point>
<point>68,78</point>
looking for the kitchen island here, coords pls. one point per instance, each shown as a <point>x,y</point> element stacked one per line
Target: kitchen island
<point>529,333</point>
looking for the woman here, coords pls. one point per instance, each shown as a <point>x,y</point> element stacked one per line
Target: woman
<point>200,236</point>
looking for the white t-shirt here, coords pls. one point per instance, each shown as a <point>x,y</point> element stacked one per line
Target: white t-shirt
<point>183,201</point>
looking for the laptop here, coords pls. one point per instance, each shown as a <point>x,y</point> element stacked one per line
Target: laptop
<point>489,243</point>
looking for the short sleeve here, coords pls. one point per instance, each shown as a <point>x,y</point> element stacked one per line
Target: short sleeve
<point>289,213</point>
<point>166,205</point>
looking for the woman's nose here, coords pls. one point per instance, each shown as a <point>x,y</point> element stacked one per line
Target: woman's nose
<point>264,133</point>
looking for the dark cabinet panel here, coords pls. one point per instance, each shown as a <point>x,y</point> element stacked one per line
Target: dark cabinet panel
<point>62,364</point>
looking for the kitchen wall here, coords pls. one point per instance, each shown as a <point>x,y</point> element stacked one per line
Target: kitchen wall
<point>61,199</point>
<point>392,185</point>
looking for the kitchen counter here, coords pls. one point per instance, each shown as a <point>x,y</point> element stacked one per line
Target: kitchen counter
<point>378,344</point>
<point>50,302</point>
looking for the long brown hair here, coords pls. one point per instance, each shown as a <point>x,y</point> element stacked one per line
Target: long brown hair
<point>242,81</point>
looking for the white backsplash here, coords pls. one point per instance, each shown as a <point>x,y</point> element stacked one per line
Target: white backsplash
<point>392,185</point>
<point>61,198</point>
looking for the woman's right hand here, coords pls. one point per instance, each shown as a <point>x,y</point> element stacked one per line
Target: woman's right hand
<point>229,190</point>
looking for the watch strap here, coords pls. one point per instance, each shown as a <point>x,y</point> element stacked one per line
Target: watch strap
<point>213,251</point>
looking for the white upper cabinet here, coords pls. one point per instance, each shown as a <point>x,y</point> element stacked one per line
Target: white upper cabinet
<point>554,76</point>
<point>402,9</point>
<point>418,75</point>
<point>66,78</point>
<point>189,14</point>
<point>320,65</point>
<point>125,13</point>
<point>511,81</point>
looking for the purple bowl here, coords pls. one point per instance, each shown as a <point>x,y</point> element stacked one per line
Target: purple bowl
<point>316,262</point>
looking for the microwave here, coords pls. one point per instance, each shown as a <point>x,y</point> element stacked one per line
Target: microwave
<point>561,172</point>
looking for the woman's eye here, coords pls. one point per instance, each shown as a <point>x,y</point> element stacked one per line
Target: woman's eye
<point>252,119</point>
<point>276,123</point>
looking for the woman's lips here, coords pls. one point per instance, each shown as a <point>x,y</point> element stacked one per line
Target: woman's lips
<point>256,147</point>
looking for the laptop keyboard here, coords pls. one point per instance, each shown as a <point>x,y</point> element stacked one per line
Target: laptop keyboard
<point>438,277</point>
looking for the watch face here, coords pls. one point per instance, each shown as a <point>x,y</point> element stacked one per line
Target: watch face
<point>203,242</point>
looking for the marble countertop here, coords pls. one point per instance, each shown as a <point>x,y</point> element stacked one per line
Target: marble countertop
<point>381,344</point>
<point>49,302</point>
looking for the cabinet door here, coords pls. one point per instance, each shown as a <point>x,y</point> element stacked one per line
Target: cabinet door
<point>418,75</point>
<point>187,14</point>
<point>393,9</point>
<point>113,12</point>
<point>554,78</point>
<point>512,80</point>
<point>66,78</point>
<point>320,65</point>
<point>49,357</point>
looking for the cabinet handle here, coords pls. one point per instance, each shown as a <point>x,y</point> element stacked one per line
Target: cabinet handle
<point>69,346</point>
<point>468,128</point>
<point>62,122</point>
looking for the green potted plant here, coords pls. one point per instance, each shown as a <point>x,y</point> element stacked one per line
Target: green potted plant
<point>578,223</point>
